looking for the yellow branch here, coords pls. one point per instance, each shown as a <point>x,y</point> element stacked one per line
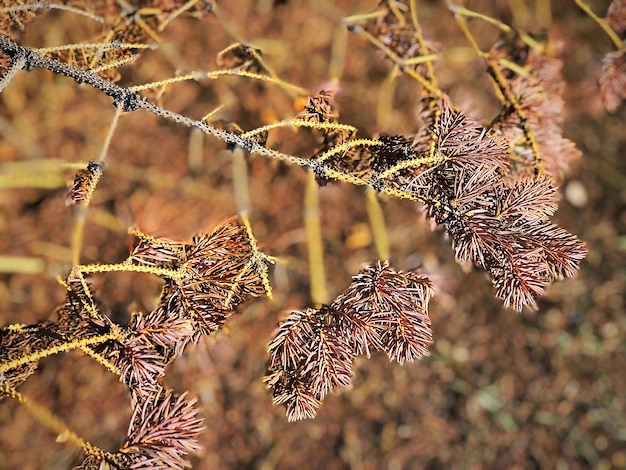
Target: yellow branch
<point>460,11</point>
<point>342,147</point>
<point>102,46</point>
<point>351,20</point>
<point>256,262</point>
<point>422,43</point>
<point>240,183</point>
<point>143,25</point>
<point>157,242</point>
<point>257,76</point>
<point>529,133</point>
<point>80,215</point>
<point>128,267</point>
<point>319,294</point>
<point>179,11</point>
<point>377,222</point>
<point>397,13</point>
<point>100,359</point>
<point>48,5</point>
<point>403,63</point>
<point>78,231</point>
<point>54,423</point>
<point>299,123</point>
<point>75,344</point>
<point>400,194</point>
<point>513,66</point>
<point>338,53</point>
<point>470,37</point>
<point>116,63</point>
<point>403,165</point>
<point>212,113</point>
<point>258,257</point>
<point>603,24</point>
<point>503,89</point>
<point>147,86</point>
<point>21,264</point>
<point>384,105</point>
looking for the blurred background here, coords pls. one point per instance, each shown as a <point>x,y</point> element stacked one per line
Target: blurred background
<point>537,389</point>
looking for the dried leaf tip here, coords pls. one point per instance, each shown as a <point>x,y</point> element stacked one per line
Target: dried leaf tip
<point>85,183</point>
<point>313,350</point>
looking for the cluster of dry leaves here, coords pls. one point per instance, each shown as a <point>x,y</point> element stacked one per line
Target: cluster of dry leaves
<point>492,188</point>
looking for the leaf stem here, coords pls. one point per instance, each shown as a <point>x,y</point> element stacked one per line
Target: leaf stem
<point>603,24</point>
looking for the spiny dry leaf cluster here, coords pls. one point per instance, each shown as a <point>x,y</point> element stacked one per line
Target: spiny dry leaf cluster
<point>461,171</point>
<point>538,108</point>
<point>393,26</point>
<point>205,281</point>
<point>128,28</point>
<point>492,188</point>
<point>613,74</point>
<point>313,350</point>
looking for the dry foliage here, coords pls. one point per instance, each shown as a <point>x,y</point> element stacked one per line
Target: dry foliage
<point>490,184</point>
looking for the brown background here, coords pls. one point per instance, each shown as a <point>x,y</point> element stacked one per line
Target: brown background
<point>500,390</point>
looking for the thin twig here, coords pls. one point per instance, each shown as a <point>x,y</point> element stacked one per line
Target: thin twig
<point>319,294</point>
<point>127,100</point>
<point>603,24</point>
<point>51,6</point>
